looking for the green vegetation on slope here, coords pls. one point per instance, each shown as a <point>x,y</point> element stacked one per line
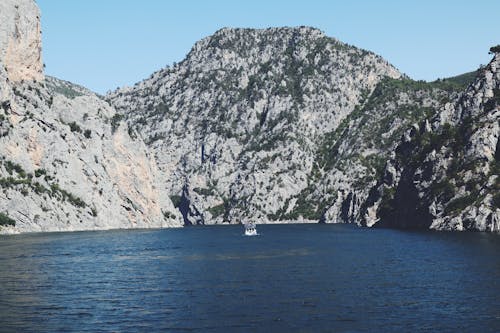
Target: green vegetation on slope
<point>460,82</point>
<point>376,124</point>
<point>453,189</point>
<point>5,220</point>
<point>382,118</point>
<point>24,182</point>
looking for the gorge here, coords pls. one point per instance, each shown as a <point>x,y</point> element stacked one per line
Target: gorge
<point>274,125</point>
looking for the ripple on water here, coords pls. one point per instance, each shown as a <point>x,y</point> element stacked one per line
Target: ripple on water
<point>293,278</point>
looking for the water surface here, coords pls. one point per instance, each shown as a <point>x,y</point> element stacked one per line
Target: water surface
<point>307,278</point>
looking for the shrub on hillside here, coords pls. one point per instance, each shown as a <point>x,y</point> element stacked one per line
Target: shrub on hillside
<point>6,220</point>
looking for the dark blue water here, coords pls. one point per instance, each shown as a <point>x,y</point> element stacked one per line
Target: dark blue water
<point>306,278</point>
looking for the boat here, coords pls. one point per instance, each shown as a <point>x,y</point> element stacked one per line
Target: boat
<point>250,229</point>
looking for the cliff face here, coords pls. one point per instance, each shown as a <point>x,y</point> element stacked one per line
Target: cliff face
<point>445,173</point>
<point>20,40</point>
<point>67,161</point>
<point>351,159</point>
<point>236,125</point>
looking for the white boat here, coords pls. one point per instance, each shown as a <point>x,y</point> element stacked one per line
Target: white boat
<point>250,230</point>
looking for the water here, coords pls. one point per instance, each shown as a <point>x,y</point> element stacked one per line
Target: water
<point>305,278</point>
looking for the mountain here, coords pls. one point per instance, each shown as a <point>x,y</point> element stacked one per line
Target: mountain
<point>445,173</point>
<point>266,125</point>
<point>236,125</point>
<point>66,160</point>
<point>276,125</point>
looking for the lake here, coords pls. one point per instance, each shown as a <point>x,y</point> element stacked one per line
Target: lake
<point>291,278</point>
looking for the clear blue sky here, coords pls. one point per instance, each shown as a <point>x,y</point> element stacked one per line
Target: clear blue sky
<point>103,44</point>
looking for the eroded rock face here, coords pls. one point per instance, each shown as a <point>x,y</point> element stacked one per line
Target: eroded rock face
<point>67,161</point>
<point>445,173</point>
<point>20,40</point>
<point>278,125</point>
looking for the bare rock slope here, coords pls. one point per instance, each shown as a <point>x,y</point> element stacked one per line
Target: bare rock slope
<point>445,173</point>
<point>67,162</point>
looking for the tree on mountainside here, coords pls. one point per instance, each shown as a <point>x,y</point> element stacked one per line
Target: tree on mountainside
<point>495,49</point>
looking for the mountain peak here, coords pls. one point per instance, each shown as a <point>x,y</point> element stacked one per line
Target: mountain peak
<point>286,29</point>
<point>241,39</point>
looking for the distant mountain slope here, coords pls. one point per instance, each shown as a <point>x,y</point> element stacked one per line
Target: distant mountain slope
<point>65,88</point>
<point>462,81</point>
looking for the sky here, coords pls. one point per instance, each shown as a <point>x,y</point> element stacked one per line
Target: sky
<point>105,44</point>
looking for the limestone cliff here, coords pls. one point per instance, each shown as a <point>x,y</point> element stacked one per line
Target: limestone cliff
<point>445,173</point>
<point>20,40</point>
<point>67,161</point>
<point>276,125</point>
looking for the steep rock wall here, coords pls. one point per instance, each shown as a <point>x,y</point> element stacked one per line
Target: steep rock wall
<point>20,40</point>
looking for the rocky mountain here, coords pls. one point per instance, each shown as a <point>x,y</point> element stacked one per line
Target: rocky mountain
<point>445,173</point>
<point>235,126</point>
<point>272,125</point>
<point>352,158</point>
<point>276,125</point>
<point>67,162</point>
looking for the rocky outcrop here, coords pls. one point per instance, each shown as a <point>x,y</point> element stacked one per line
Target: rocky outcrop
<point>20,40</point>
<point>445,173</point>
<point>67,160</point>
<point>352,158</point>
<point>69,163</point>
